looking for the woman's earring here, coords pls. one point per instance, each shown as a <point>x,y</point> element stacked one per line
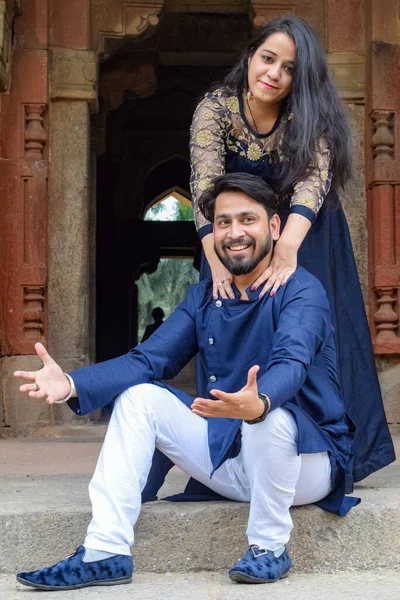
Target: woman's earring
<point>290,117</point>
<point>249,96</point>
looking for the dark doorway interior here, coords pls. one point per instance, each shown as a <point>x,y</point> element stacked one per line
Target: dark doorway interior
<point>146,154</point>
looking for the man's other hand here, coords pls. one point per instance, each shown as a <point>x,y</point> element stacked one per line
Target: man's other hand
<point>49,382</point>
<point>245,404</point>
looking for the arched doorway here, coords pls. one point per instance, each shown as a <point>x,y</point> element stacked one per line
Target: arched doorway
<point>148,92</point>
<point>175,273</point>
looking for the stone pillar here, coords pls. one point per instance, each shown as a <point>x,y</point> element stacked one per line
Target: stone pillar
<point>73,76</point>
<point>382,167</point>
<point>346,60</point>
<point>23,200</point>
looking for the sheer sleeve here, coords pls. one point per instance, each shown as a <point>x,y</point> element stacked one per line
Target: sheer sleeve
<point>309,194</point>
<point>207,151</point>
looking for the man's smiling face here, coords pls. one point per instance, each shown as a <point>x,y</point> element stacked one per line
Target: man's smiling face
<point>243,233</point>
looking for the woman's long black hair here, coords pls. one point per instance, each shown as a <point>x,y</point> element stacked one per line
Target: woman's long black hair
<point>314,102</point>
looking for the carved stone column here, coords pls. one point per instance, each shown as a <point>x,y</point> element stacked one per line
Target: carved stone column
<point>383,173</point>
<point>23,200</point>
<point>382,130</point>
<point>73,77</point>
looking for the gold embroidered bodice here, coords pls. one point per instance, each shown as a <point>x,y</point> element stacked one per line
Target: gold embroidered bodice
<point>220,130</point>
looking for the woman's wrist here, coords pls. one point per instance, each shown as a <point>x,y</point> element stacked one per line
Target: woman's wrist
<point>211,256</point>
<point>208,247</point>
<point>294,233</point>
<point>288,244</point>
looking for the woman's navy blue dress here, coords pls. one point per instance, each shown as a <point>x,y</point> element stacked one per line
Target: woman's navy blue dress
<point>326,252</point>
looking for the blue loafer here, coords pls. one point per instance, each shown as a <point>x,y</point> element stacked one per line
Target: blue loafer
<point>72,573</point>
<point>261,566</point>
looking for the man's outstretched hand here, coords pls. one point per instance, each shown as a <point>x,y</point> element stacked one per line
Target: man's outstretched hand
<point>50,380</point>
<point>245,404</point>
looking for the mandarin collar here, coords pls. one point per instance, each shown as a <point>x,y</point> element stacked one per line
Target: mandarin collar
<point>251,294</point>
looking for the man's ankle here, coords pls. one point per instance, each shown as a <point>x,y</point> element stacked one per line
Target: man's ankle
<point>92,555</point>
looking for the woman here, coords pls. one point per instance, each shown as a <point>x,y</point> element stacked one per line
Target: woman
<point>278,115</point>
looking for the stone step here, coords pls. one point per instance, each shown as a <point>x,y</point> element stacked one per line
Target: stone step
<point>43,518</point>
<point>45,509</point>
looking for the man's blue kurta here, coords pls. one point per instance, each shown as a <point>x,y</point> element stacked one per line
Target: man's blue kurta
<point>289,336</point>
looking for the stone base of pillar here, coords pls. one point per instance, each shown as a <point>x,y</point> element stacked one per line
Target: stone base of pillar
<point>389,380</point>
<point>21,415</point>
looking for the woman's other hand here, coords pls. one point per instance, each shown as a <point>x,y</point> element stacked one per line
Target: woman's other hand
<point>222,279</point>
<point>284,256</point>
<point>283,264</point>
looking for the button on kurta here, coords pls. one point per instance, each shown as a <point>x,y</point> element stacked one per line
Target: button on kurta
<point>211,341</point>
<point>218,304</point>
<point>213,379</point>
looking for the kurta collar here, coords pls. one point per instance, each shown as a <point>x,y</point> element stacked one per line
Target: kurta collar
<point>251,294</point>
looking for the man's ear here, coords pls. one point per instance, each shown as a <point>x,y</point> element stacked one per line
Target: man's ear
<point>275,226</point>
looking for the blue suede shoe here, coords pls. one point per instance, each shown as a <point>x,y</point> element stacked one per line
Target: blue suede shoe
<point>72,573</point>
<point>261,566</point>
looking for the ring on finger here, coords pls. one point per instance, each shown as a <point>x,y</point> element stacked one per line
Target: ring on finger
<point>36,388</point>
<point>221,282</point>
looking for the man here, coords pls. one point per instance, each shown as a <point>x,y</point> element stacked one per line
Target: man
<point>158,315</point>
<point>269,426</point>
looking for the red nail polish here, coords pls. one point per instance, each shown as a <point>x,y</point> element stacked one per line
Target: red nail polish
<point>261,295</point>
<point>253,287</point>
<point>283,282</point>
<point>272,294</point>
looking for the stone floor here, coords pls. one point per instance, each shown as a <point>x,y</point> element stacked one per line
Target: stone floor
<point>384,584</point>
<point>44,511</point>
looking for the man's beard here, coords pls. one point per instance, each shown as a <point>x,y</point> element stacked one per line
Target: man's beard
<point>240,265</point>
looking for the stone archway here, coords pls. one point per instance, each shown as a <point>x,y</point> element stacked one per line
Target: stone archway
<point>58,52</point>
<point>147,95</point>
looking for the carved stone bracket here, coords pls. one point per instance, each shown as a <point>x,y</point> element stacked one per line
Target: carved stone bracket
<point>383,139</point>
<point>33,312</point>
<point>139,16</point>
<point>115,19</point>
<point>73,75</point>
<point>348,71</point>
<point>35,135</point>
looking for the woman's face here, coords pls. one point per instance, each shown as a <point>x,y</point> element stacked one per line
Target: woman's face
<point>270,69</point>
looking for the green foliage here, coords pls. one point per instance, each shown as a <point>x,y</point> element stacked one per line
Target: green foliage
<point>166,287</point>
<point>155,212</point>
<point>164,212</point>
<point>183,212</point>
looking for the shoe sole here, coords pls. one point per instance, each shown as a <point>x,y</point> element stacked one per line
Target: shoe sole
<point>244,578</point>
<point>56,588</point>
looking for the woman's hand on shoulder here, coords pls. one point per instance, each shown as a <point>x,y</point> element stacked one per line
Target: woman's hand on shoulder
<point>221,277</point>
<point>222,280</point>
<point>283,264</point>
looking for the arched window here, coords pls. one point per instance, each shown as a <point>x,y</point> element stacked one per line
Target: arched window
<point>173,205</point>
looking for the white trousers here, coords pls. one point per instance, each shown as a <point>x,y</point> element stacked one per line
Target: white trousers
<point>268,473</point>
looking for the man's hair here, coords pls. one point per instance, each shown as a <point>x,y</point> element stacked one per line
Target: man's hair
<point>251,185</point>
